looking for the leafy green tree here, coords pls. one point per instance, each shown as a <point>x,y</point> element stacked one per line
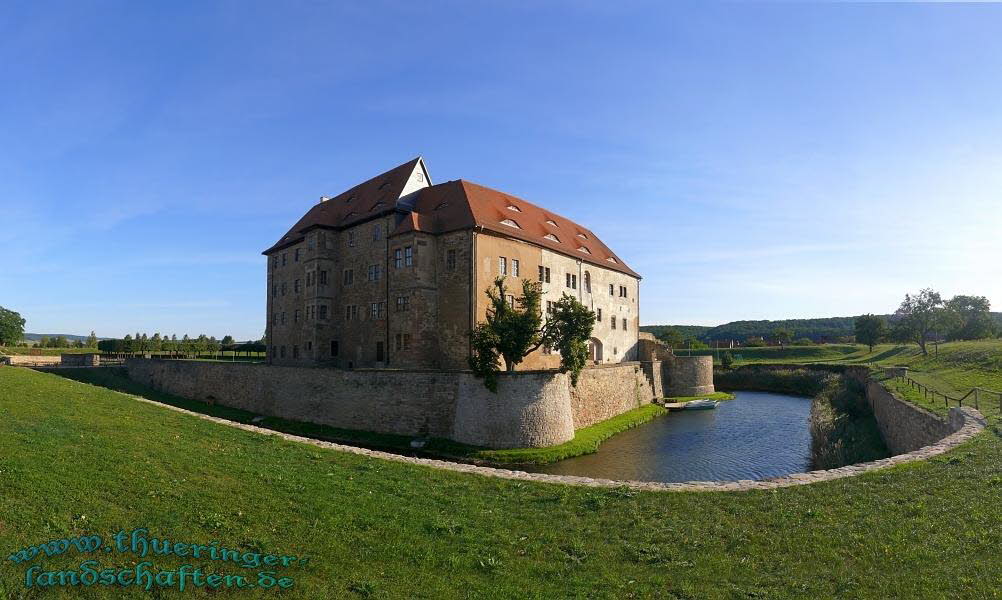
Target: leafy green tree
<point>974,318</point>
<point>727,360</point>
<point>43,342</point>
<point>870,329</point>
<point>227,340</point>
<point>515,328</point>
<point>92,340</point>
<point>782,335</point>
<point>919,317</point>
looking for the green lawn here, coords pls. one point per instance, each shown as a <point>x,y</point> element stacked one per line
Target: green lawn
<point>77,459</point>
<point>786,354</point>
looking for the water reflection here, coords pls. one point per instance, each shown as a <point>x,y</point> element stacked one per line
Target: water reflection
<point>754,436</point>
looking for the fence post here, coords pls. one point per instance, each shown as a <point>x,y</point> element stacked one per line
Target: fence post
<point>976,399</point>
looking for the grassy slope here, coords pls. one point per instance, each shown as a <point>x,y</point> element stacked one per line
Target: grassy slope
<point>383,529</point>
<point>787,354</point>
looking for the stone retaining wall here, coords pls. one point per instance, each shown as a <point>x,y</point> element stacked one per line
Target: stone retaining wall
<point>24,360</point>
<point>531,408</point>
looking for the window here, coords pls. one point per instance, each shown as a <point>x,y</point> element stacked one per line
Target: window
<point>398,258</point>
<point>546,271</point>
<point>622,291</point>
<point>551,237</point>
<point>549,307</point>
<point>547,349</point>
<point>611,288</point>
<point>403,303</point>
<point>598,315</point>
<point>552,222</point>
<point>351,239</point>
<point>323,312</point>
<point>283,288</point>
<point>283,318</point>
<point>350,312</point>
<point>572,281</point>
<point>309,346</point>
<point>295,316</point>
<point>510,223</point>
<point>295,351</point>
<point>403,341</point>
<point>587,282</point>
<point>309,278</point>
<point>514,208</point>
<point>450,259</point>
<point>613,321</point>
<point>334,348</point>
<point>311,241</point>
<point>282,351</point>
<point>349,276</point>
<point>624,324</point>
<point>295,256</point>
<point>285,255</point>
<point>323,277</point>
<point>511,300</point>
<point>379,351</point>
<point>377,233</point>
<point>295,286</point>
<point>583,249</point>
<point>502,266</point>
<point>514,267</point>
<point>373,272</point>
<point>377,310</point>
<point>408,256</point>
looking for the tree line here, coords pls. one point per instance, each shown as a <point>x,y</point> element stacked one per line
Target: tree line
<point>143,343</point>
<point>926,317</point>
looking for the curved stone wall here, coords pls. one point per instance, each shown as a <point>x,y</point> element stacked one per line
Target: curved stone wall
<point>689,375</point>
<point>529,410</point>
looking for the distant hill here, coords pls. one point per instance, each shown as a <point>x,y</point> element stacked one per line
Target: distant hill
<point>34,337</point>
<point>825,329</point>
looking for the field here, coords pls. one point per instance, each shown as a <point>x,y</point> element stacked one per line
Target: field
<point>785,354</point>
<point>78,459</point>
<point>11,350</point>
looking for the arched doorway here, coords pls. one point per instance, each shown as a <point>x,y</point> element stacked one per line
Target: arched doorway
<point>595,350</point>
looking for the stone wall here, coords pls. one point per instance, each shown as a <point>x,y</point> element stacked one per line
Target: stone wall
<point>689,375</point>
<point>23,360</point>
<point>904,426</point>
<point>80,360</point>
<point>531,408</point>
<point>604,391</point>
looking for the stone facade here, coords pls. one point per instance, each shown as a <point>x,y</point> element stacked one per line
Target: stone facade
<point>392,274</point>
<point>80,360</point>
<point>531,409</point>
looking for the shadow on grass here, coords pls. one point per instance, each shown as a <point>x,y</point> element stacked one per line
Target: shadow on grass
<point>890,352</point>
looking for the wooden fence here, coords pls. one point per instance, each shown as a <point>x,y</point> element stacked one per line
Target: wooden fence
<point>973,397</point>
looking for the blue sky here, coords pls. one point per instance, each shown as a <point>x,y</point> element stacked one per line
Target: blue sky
<point>749,160</point>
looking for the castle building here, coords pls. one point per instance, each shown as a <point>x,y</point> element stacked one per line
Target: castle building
<point>392,273</point>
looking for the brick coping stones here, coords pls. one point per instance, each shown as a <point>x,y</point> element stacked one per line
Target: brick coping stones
<point>971,423</point>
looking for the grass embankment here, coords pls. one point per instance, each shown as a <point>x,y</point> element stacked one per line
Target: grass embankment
<point>16,350</point>
<point>843,428</point>
<point>713,396</point>
<point>785,354</point>
<point>77,459</point>
<point>586,440</point>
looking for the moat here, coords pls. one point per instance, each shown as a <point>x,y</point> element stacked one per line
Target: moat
<point>756,435</point>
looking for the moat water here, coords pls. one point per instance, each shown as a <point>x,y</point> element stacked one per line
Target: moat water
<point>755,436</point>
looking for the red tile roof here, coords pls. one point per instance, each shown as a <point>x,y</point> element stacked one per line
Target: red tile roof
<point>366,200</point>
<point>461,204</point>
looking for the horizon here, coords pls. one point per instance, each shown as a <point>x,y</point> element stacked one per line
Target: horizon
<point>743,158</point>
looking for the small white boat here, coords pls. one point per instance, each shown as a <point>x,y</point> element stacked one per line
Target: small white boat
<point>704,404</point>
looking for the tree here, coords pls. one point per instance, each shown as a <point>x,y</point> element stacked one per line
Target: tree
<point>727,360</point>
<point>973,318</point>
<point>227,340</point>
<point>782,335</point>
<point>870,329</point>
<point>43,342</point>
<point>92,340</point>
<point>919,317</point>
<point>514,328</point>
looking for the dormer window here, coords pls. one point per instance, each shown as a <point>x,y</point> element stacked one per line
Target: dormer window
<point>348,216</point>
<point>612,260</point>
<point>349,199</point>
<point>585,250</point>
<point>377,206</point>
<point>514,208</point>
<point>441,205</point>
<point>582,236</point>
<point>384,184</point>
<point>552,222</point>
<point>551,237</point>
<point>510,223</point>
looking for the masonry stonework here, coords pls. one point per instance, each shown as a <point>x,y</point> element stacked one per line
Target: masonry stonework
<point>531,409</point>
